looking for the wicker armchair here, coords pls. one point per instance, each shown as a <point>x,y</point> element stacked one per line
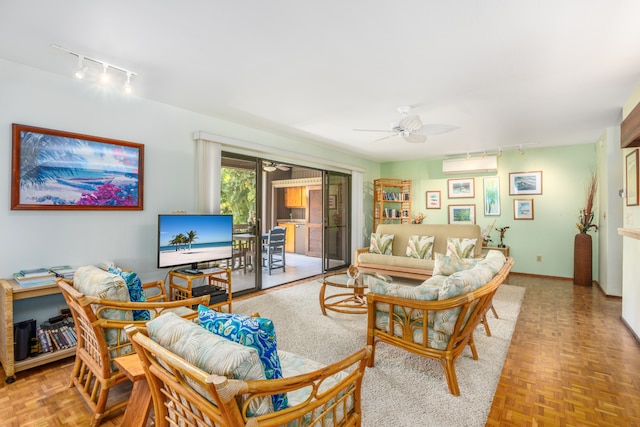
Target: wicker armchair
<point>183,394</point>
<point>95,318</point>
<point>409,323</point>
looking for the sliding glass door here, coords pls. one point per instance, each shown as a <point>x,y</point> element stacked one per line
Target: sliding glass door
<point>337,214</point>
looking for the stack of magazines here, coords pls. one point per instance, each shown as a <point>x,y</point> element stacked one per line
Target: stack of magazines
<point>35,277</point>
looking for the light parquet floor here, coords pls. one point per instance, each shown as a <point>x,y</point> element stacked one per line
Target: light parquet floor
<point>571,363</point>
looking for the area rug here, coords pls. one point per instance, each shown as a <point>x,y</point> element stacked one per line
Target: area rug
<point>402,389</point>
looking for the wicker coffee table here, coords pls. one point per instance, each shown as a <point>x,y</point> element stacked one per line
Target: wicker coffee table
<point>348,302</point>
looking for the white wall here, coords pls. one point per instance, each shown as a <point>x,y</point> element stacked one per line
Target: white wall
<point>45,238</point>
<point>631,247</point>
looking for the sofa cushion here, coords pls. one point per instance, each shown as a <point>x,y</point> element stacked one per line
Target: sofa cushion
<point>255,332</point>
<point>381,243</point>
<point>395,261</point>
<point>136,292</point>
<point>420,247</point>
<point>210,352</point>
<point>463,247</point>
<point>446,265</point>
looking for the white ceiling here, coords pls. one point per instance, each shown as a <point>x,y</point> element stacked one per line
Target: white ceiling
<point>509,73</point>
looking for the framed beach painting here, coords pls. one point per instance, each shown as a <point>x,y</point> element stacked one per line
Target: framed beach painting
<point>53,169</point>
<point>462,214</point>
<point>632,178</point>
<point>433,199</point>
<point>525,183</point>
<point>522,208</point>
<point>461,188</point>
<point>492,196</point>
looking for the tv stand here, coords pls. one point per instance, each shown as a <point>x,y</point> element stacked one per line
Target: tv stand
<point>194,271</point>
<point>218,277</point>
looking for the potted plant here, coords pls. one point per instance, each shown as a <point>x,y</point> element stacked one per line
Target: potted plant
<point>582,245</point>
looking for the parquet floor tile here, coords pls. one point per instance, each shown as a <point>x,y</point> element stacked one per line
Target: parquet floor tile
<point>571,362</point>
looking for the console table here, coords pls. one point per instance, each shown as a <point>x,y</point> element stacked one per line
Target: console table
<point>504,250</point>
<point>181,284</point>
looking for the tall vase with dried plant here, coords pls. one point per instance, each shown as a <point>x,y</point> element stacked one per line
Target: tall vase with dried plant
<point>582,246</point>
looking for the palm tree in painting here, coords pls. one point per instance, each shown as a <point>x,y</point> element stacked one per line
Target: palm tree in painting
<point>39,153</point>
<point>191,236</point>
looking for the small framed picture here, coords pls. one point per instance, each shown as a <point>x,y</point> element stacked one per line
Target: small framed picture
<point>522,208</point>
<point>461,188</point>
<point>433,199</point>
<point>492,196</point>
<point>462,214</point>
<point>632,178</point>
<point>525,183</point>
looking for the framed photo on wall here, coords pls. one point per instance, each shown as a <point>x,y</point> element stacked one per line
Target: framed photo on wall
<point>461,188</point>
<point>525,183</point>
<point>462,214</point>
<point>632,178</point>
<point>433,199</point>
<point>522,208</point>
<point>54,169</point>
<point>492,196</point>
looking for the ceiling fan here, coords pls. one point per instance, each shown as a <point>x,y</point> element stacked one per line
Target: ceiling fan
<point>273,166</point>
<point>410,128</point>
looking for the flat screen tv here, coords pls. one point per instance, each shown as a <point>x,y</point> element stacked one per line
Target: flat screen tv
<point>188,240</point>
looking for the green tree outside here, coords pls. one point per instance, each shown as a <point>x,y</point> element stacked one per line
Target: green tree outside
<point>237,193</point>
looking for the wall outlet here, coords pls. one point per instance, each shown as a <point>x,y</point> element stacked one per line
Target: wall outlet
<point>539,258</point>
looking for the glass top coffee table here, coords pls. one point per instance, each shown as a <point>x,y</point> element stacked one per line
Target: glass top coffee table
<point>346,302</point>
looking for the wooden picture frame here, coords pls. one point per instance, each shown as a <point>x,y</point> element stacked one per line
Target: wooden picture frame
<point>523,209</point>
<point>491,194</point>
<point>462,214</point>
<point>461,188</point>
<point>631,178</point>
<point>433,199</point>
<point>59,170</point>
<point>525,183</point>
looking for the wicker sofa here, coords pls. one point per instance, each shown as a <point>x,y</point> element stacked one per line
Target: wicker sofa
<point>398,264</point>
<point>445,308</point>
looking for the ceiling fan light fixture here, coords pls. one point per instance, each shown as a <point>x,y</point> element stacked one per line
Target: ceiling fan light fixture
<point>269,168</point>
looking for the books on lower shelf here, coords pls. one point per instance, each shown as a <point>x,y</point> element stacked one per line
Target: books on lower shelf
<point>57,335</point>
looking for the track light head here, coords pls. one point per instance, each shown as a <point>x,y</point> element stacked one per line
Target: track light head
<point>104,77</point>
<point>127,85</point>
<point>81,71</point>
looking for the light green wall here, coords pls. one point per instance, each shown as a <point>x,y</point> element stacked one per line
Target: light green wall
<point>565,172</point>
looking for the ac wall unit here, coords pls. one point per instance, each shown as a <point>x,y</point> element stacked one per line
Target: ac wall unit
<point>485,164</point>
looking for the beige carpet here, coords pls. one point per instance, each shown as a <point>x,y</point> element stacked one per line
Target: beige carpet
<point>402,389</point>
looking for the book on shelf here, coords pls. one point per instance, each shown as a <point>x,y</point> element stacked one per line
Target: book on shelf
<point>33,272</point>
<point>25,282</point>
<point>65,271</point>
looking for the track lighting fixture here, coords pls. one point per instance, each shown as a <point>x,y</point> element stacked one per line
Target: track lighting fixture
<point>81,71</point>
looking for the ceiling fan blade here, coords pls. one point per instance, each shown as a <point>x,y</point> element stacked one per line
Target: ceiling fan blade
<point>385,137</point>
<point>283,167</point>
<point>415,138</point>
<point>412,122</point>
<point>372,130</point>
<point>436,129</point>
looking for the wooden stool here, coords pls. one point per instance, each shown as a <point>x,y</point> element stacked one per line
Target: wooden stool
<point>140,402</point>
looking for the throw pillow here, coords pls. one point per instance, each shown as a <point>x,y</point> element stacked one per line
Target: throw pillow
<point>381,243</point>
<point>136,293</point>
<point>420,247</point>
<point>445,265</point>
<point>462,247</point>
<point>257,333</point>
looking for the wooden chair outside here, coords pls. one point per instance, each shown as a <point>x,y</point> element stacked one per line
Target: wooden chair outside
<point>185,395</point>
<point>93,372</point>
<point>273,249</point>
<point>415,316</point>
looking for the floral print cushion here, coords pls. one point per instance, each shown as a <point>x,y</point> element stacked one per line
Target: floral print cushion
<point>446,265</point>
<point>420,247</point>
<point>462,247</point>
<point>381,243</point>
<point>136,293</point>
<point>209,352</point>
<point>258,333</point>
